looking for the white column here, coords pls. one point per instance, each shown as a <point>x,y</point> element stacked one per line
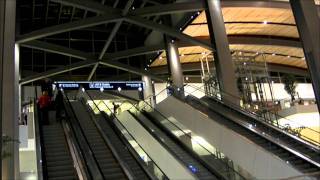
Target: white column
<point>10,88</point>
<point>175,65</point>
<point>148,90</point>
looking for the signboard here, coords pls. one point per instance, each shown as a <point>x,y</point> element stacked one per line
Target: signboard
<point>105,85</point>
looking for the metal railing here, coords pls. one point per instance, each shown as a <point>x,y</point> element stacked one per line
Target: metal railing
<point>156,170</point>
<point>262,114</point>
<point>215,161</point>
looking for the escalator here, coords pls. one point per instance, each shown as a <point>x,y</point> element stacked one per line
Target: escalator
<point>112,158</point>
<point>302,155</point>
<point>56,160</point>
<point>110,167</point>
<point>203,167</point>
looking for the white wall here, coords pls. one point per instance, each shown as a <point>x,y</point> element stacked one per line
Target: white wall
<point>168,164</point>
<point>305,91</point>
<point>254,159</point>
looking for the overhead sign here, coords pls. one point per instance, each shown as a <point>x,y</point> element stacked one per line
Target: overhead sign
<point>109,85</point>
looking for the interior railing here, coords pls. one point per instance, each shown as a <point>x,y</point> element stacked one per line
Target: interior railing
<point>40,149</point>
<point>214,159</point>
<point>90,160</point>
<point>153,169</point>
<point>261,114</point>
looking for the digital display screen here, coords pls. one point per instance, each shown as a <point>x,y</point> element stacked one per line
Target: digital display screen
<point>112,85</point>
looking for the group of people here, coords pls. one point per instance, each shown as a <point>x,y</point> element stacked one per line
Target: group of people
<point>47,103</point>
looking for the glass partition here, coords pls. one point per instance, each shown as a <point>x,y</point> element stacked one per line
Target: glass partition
<point>212,156</point>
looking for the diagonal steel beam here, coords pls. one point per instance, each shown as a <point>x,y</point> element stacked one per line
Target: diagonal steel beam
<point>93,71</point>
<point>89,60</point>
<point>168,9</point>
<point>130,69</point>
<point>167,30</point>
<point>52,48</point>
<point>89,6</point>
<point>115,29</point>
<point>56,71</point>
<point>134,52</point>
<point>69,27</point>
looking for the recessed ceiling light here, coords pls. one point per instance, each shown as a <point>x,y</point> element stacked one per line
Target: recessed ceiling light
<point>160,57</point>
<point>265,22</point>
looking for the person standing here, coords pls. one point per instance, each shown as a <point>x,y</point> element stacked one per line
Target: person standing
<point>59,105</point>
<point>44,104</point>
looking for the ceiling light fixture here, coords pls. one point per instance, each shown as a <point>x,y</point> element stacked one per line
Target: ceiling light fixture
<point>265,22</point>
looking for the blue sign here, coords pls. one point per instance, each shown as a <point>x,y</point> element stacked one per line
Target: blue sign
<point>111,85</point>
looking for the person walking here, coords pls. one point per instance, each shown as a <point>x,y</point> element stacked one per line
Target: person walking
<point>44,104</point>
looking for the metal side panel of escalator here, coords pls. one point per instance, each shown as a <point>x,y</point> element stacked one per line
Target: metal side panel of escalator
<point>303,157</point>
<point>179,152</point>
<point>106,160</point>
<point>109,134</point>
<point>56,159</point>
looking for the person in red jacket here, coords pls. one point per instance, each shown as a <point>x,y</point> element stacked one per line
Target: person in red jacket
<point>44,104</point>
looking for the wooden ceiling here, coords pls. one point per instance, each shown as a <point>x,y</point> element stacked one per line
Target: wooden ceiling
<point>265,21</point>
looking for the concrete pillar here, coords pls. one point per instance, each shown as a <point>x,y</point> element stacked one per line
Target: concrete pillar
<point>10,87</point>
<point>308,23</point>
<point>148,90</point>
<point>222,57</point>
<point>174,65</point>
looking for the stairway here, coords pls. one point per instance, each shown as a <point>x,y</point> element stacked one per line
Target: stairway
<point>58,158</point>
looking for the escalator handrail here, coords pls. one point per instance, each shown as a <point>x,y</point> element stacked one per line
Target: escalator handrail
<point>164,145</point>
<point>311,143</point>
<point>76,150</point>
<point>90,159</point>
<point>126,142</point>
<point>274,141</point>
<point>40,149</point>
<point>126,170</point>
<point>187,135</point>
<point>122,140</point>
<point>237,107</point>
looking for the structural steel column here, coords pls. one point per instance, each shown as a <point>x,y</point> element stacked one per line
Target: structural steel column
<point>174,64</point>
<point>222,57</point>
<point>1,68</point>
<point>308,23</point>
<point>10,88</point>
<point>148,90</point>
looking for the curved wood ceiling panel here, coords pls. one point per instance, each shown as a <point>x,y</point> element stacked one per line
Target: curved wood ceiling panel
<point>248,21</point>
